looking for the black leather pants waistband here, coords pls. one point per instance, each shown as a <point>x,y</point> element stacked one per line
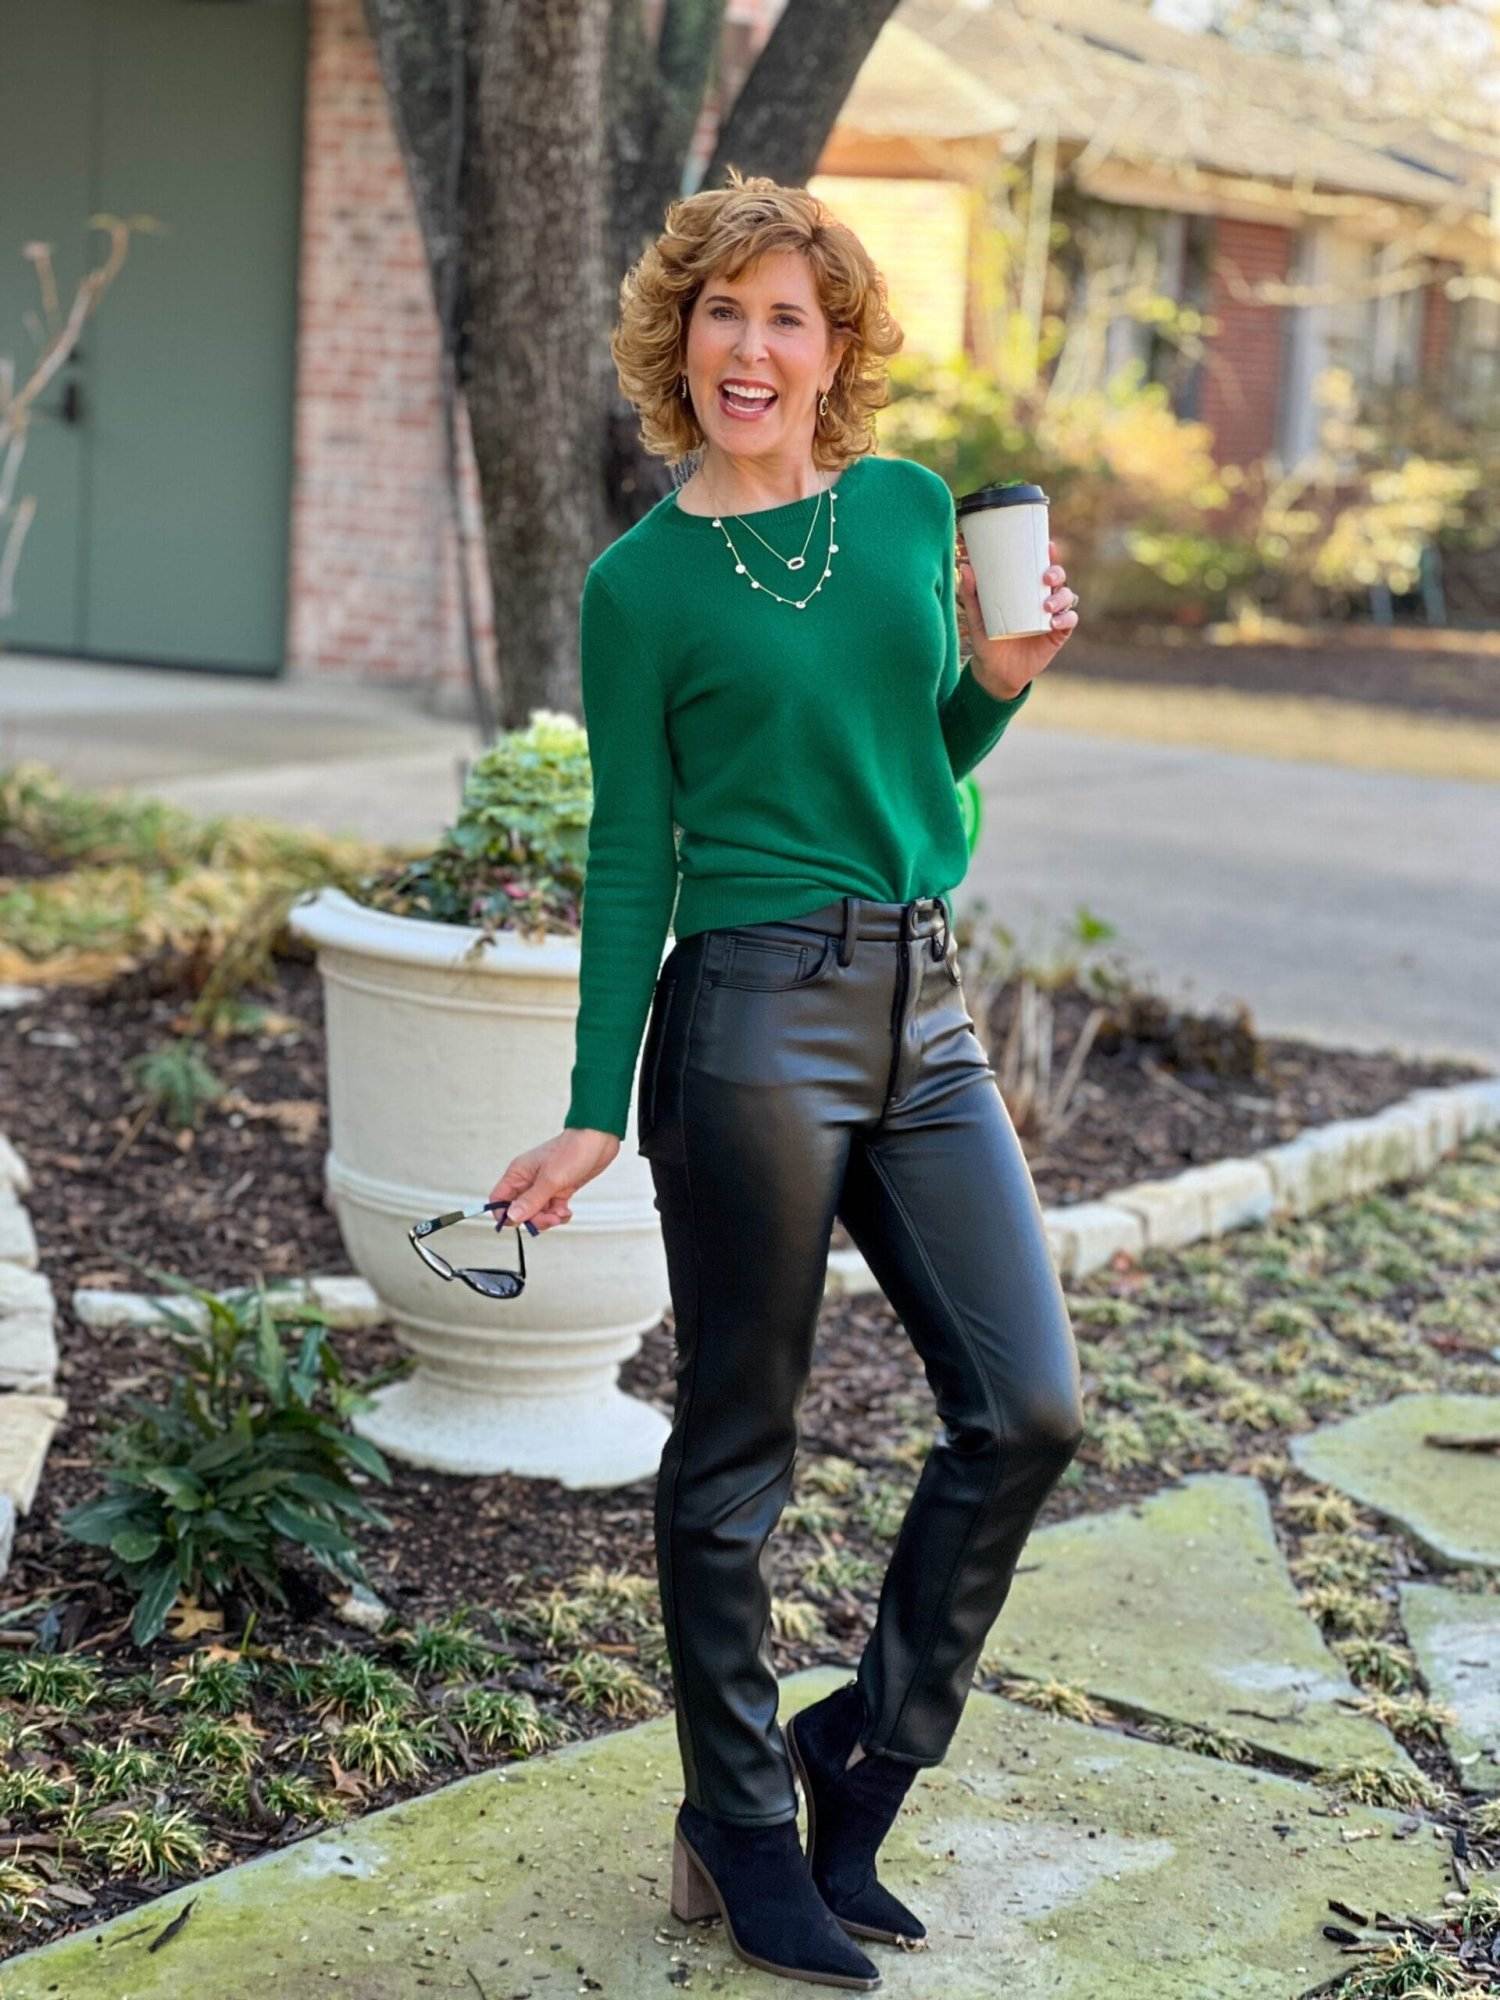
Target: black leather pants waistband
<point>853,917</point>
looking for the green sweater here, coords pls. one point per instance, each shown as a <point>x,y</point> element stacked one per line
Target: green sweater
<point>804,755</point>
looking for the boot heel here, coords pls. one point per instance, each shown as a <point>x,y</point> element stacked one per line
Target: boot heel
<point>692,1898</point>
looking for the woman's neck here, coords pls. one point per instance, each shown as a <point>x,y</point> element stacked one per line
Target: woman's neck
<point>694,495</point>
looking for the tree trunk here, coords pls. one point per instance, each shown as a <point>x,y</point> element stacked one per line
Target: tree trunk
<point>536,188</point>
<point>780,122</point>
<point>535,201</point>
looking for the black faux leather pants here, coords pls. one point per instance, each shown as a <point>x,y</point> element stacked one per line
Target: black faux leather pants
<point>793,1071</point>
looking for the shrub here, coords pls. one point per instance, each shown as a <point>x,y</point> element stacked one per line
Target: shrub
<point>115,880</point>
<point>1116,463</point>
<point>250,1451</point>
<point>514,857</point>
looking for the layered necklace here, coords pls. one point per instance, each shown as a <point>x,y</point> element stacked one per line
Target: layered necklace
<point>796,562</point>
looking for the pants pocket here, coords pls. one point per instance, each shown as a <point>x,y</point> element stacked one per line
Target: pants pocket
<point>756,959</point>
<point>648,1090</point>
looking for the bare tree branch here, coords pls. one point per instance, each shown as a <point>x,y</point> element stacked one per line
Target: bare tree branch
<point>780,122</point>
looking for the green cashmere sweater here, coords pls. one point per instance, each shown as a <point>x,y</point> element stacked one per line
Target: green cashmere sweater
<point>752,761</point>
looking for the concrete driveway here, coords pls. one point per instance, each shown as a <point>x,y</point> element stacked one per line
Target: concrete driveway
<point>1355,906</point>
<point>1351,906</point>
<point>348,758</point>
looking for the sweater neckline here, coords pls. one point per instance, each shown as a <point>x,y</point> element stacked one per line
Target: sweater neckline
<point>676,513</point>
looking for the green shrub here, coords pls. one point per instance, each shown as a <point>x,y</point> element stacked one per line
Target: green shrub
<point>250,1451</point>
<point>1115,462</point>
<point>126,879</point>
<point>514,858</point>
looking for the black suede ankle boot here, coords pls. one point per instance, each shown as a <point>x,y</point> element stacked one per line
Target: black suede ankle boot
<point>850,1810</point>
<point>756,1878</point>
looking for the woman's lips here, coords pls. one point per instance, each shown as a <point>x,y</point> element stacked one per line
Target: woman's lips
<point>743,412</point>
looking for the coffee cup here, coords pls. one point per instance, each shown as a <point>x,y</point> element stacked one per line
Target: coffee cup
<point>1005,532</point>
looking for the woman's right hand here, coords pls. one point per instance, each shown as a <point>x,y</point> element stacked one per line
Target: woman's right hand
<point>539,1183</point>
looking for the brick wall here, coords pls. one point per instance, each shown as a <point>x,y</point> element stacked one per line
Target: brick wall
<point>1242,371</point>
<point>373,574</point>
<point>1437,331</point>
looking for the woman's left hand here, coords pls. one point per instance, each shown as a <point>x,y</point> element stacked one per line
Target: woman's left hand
<point>1005,666</point>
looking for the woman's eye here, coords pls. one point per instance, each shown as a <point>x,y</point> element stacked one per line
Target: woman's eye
<point>790,319</point>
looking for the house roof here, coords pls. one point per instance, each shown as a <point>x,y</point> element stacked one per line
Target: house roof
<point>1121,83</point>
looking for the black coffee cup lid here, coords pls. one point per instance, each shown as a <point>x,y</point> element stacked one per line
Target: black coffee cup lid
<point>1013,493</point>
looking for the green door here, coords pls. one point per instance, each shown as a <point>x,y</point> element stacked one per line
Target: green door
<point>161,459</point>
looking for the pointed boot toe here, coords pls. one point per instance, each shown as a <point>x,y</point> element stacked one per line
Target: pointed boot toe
<point>757,1879</point>
<point>849,1812</point>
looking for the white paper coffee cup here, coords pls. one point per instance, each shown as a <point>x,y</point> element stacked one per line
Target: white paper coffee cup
<point>1005,532</point>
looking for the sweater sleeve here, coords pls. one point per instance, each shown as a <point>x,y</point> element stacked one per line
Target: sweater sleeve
<point>630,876</point>
<point>973,719</point>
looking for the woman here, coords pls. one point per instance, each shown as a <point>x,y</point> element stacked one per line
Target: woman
<point>770,662</point>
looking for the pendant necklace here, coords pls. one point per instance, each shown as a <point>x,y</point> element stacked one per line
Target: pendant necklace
<point>789,562</point>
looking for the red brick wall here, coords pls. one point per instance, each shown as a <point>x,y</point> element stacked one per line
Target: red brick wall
<point>1437,330</point>
<point>1242,371</point>
<point>373,574</point>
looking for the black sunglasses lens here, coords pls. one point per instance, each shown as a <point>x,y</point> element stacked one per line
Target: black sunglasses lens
<point>496,1284</point>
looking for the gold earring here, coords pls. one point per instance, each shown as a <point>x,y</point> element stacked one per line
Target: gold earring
<point>823,404</point>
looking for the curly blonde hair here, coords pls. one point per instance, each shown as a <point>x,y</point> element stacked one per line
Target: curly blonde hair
<point>721,232</point>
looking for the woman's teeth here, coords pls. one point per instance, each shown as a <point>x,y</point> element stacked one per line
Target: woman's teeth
<point>745,402</point>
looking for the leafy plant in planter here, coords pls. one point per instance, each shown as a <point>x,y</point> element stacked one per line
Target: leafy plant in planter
<point>514,857</point>
<point>250,1451</point>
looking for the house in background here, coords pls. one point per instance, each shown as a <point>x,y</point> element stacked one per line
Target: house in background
<point>243,468</point>
<point>1312,233</point>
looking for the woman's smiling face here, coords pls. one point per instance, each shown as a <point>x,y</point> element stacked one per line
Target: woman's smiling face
<point>765,331</point>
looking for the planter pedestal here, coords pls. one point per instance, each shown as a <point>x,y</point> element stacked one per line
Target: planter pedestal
<point>597,1438</point>
<point>444,1061</point>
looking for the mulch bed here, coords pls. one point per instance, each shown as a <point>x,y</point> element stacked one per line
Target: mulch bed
<point>1424,680</point>
<point>244,1195</point>
<point>21,862</point>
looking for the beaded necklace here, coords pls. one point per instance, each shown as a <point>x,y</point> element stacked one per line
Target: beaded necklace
<point>790,562</point>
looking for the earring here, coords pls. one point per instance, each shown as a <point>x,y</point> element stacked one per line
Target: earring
<point>682,391</point>
<point>823,404</point>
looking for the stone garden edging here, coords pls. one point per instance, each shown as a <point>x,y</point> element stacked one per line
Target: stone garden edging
<point>1326,1163</point>
<point>29,1412</point>
<point>1333,1162</point>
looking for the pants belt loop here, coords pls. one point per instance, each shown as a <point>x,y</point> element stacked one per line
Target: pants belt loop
<point>846,942</point>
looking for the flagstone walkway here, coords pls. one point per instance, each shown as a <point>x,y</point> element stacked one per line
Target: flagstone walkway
<point>1048,1856</point>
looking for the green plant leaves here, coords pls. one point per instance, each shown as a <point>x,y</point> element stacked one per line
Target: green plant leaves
<point>249,1453</point>
<point>158,1593</point>
<point>97,1522</point>
<point>300,1526</point>
<point>135,1545</point>
<point>270,1355</point>
<point>180,1487</point>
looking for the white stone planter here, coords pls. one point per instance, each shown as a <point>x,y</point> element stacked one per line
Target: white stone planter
<point>443,1063</point>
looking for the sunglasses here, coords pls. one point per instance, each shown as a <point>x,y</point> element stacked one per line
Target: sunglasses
<point>493,1284</point>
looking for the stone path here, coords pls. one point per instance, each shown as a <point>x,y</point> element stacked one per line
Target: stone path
<point>1049,1859</point>
<point>1182,1607</point>
<point>1447,1500</point>
<point>1456,1638</point>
